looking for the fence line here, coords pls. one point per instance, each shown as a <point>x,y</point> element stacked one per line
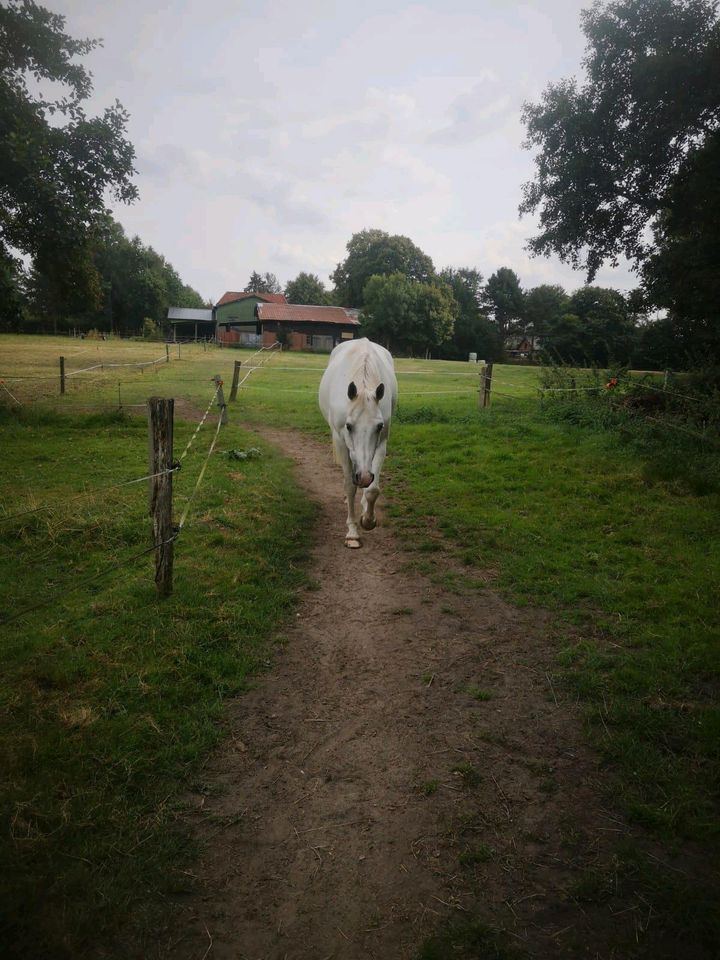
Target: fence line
<point>197,429</point>
<point>195,489</point>
<point>11,395</point>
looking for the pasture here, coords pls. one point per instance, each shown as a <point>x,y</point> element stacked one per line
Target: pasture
<point>112,699</point>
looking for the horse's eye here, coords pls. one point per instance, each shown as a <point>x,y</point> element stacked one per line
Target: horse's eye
<point>349,427</point>
<point>379,427</point>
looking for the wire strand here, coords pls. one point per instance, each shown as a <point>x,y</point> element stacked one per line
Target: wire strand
<point>91,492</point>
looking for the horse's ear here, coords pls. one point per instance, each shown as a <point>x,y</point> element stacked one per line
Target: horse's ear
<point>352,390</point>
<point>380,392</point>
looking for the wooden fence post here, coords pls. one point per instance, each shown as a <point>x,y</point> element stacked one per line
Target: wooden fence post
<point>167,353</point>
<point>221,398</point>
<point>160,443</point>
<point>481,394</point>
<point>236,378</point>
<point>667,379</point>
<point>178,351</point>
<point>485,384</point>
<point>62,374</point>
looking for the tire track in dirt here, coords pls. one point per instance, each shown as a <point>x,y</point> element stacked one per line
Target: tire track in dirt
<point>358,771</point>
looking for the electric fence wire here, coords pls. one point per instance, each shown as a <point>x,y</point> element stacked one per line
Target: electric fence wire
<point>92,491</point>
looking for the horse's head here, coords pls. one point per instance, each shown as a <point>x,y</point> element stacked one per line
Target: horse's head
<point>364,429</point>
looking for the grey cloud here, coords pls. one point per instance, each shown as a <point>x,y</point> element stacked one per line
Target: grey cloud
<point>472,115</point>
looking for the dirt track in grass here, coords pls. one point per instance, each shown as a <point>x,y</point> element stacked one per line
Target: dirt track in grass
<point>403,728</point>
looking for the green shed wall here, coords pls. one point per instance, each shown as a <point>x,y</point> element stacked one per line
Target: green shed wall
<point>240,311</point>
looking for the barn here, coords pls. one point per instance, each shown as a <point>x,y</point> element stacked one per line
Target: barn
<point>307,327</point>
<point>251,319</point>
<point>191,324</point>
<point>236,322</point>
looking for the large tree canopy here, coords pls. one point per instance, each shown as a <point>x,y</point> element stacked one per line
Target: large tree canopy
<point>56,163</point>
<point>406,316</point>
<point>683,273</point>
<point>376,253</point>
<point>503,298</point>
<point>610,150</point>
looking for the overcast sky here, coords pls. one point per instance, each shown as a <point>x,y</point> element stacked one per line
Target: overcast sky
<point>268,133</point>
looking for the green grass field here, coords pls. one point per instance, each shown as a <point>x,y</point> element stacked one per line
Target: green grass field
<point>109,694</point>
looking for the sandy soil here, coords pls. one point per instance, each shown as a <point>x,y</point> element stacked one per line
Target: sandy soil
<point>365,764</point>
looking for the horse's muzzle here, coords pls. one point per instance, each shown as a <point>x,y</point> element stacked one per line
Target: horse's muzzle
<point>363,478</point>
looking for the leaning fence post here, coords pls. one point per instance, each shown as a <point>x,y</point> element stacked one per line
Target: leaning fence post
<point>160,443</point>
<point>236,378</point>
<point>167,354</point>
<point>62,374</point>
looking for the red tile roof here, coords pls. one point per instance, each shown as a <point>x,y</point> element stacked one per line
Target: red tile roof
<point>294,313</point>
<point>231,297</point>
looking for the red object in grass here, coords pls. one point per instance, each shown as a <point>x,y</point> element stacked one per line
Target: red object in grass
<point>611,384</point>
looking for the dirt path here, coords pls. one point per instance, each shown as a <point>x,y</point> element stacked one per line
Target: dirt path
<point>401,727</point>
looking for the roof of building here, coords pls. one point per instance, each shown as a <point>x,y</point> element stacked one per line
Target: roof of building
<point>231,297</point>
<point>186,313</point>
<point>292,312</point>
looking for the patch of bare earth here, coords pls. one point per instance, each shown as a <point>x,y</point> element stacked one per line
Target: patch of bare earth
<point>403,729</point>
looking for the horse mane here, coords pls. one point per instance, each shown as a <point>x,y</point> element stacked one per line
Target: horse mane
<point>365,374</point>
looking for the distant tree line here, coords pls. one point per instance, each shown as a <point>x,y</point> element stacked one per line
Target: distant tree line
<point>414,309</point>
<point>63,260</point>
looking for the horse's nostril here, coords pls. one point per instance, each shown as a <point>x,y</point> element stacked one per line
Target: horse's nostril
<point>372,478</point>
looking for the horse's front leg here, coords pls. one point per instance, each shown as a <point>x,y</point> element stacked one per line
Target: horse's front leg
<point>367,518</point>
<point>352,538</point>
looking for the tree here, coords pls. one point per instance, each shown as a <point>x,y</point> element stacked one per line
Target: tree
<point>306,288</point>
<point>376,253</point>
<point>12,300</point>
<point>473,331</point>
<point>263,283</point>
<point>134,282</point>
<point>611,150</point>
<point>504,299</point>
<point>683,274</point>
<point>544,305</point>
<point>408,317</point>
<point>596,328</point>
<point>56,163</point>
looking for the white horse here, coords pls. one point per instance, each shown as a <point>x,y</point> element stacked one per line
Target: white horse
<point>358,393</point>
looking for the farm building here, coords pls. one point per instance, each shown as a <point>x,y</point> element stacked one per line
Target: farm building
<point>191,324</point>
<point>519,346</point>
<point>306,327</point>
<point>262,319</point>
<point>235,319</point>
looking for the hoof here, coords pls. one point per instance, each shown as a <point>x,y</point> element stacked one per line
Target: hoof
<point>368,524</point>
<point>352,542</point>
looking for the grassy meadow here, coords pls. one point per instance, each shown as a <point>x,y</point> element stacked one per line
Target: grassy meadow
<point>112,698</point>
